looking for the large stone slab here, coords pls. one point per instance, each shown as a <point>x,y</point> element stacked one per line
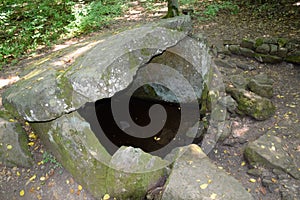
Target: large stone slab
<point>268,151</point>
<point>55,88</point>
<point>128,173</point>
<point>13,145</point>
<point>52,93</point>
<point>194,176</point>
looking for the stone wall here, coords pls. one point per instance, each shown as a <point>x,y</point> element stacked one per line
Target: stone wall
<point>267,50</point>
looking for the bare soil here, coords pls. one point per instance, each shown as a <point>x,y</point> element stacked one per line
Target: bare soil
<point>59,184</point>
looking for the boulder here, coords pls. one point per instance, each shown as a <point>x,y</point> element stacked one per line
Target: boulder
<point>52,94</point>
<point>13,145</point>
<point>251,104</point>
<point>194,176</point>
<point>261,85</point>
<point>105,69</point>
<point>269,151</point>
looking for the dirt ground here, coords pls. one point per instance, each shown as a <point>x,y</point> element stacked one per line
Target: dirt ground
<point>50,181</point>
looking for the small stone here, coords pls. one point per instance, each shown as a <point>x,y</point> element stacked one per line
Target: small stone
<point>254,172</point>
<point>248,43</point>
<point>239,81</point>
<point>235,49</point>
<point>247,52</point>
<point>264,49</point>
<point>265,58</point>
<point>261,85</point>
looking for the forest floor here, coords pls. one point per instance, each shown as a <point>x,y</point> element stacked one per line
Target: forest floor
<point>59,184</point>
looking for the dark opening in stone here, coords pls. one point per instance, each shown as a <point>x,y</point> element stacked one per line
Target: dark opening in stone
<point>111,136</point>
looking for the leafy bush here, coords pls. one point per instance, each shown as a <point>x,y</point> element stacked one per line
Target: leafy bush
<point>213,9</point>
<point>24,26</point>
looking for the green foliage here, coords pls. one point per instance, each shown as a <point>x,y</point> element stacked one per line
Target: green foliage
<point>49,158</point>
<point>212,9</point>
<point>26,26</point>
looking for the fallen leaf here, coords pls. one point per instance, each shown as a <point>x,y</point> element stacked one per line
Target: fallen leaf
<point>22,193</point>
<point>252,180</point>
<point>30,144</point>
<point>43,178</point>
<point>32,190</point>
<point>11,120</point>
<point>79,187</point>
<point>72,191</point>
<point>243,163</point>
<point>32,136</point>
<point>213,196</point>
<point>263,190</point>
<point>106,197</point>
<point>9,147</point>
<point>203,186</point>
<point>274,180</point>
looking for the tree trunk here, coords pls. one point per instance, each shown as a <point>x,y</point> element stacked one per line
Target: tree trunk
<point>173,9</point>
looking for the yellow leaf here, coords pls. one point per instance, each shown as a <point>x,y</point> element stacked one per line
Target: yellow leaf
<point>252,180</point>
<point>79,187</point>
<point>32,135</point>
<point>274,180</point>
<point>11,120</point>
<point>30,144</point>
<point>213,196</point>
<point>26,123</point>
<point>43,178</point>
<point>9,147</point>
<point>22,192</point>
<point>32,178</point>
<point>18,173</point>
<point>40,163</point>
<point>106,197</point>
<point>203,186</point>
<point>209,181</point>
<point>243,163</point>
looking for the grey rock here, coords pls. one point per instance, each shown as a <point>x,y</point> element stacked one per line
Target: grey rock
<point>62,89</point>
<point>273,49</point>
<point>224,63</point>
<point>235,49</point>
<point>192,170</point>
<point>229,103</point>
<point>264,49</point>
<point>239,81</point>
<point>13,145</point>
<point>282,52</point>
<point>268,150</point>
<point>251,104</point>
<point>247,52</point>
<point>261,85</point>
<point>245,66</point>
<point>265,58</point>
<point>293,57</point>
<point>248,43</point>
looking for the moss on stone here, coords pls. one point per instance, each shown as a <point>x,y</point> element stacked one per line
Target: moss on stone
<point>282,42</point>
<point>258,42</point>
